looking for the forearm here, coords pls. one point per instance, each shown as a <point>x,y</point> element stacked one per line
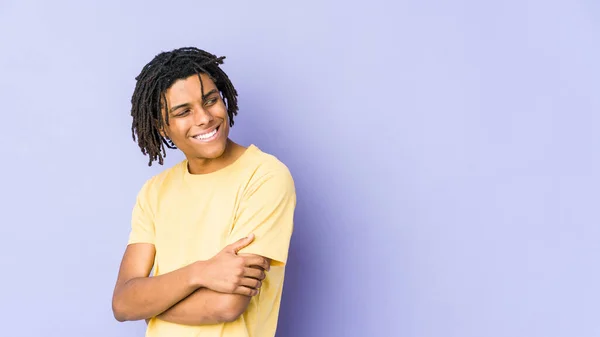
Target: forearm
<point>205,307</point>
<point>145,297</point>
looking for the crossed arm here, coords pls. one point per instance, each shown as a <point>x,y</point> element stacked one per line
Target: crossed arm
<point>219,289</point>
<point>180,296</point>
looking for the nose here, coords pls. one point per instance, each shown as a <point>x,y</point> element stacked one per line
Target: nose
<point>202,116</point>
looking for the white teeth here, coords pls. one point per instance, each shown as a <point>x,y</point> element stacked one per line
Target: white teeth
<point>206,135</point>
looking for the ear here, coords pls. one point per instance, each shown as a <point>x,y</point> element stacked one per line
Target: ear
<point>163,132</point>
<point>161,129</point>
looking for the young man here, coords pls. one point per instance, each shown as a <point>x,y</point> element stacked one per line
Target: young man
<point>215,227</point>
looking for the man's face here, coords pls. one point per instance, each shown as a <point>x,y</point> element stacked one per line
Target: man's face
<point>198,121</point>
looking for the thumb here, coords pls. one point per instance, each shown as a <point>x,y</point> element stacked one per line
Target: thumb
<point>241,243</point>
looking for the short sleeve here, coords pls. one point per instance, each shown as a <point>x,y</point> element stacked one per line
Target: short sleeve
<point>142,217</point>
<point>267,210</point>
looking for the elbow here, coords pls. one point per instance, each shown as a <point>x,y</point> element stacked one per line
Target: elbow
<point>120,318</point>
<point>232,308</point>
<point>228,316</point>
<point>119,311</point>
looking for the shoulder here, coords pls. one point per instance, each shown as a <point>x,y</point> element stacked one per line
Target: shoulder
<point>268,172</point>
<point>268,165</point>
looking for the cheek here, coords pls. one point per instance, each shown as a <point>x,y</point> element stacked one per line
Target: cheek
<point>222,110</point>
<point>177,128</point>
<point>225,130</point>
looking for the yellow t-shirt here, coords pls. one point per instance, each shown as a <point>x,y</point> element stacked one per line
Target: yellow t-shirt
<point>193,217</point>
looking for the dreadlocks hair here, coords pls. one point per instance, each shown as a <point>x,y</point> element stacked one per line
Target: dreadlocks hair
<point>149,100</point>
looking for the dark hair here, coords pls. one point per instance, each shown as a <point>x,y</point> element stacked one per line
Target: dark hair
<point>149,99</point>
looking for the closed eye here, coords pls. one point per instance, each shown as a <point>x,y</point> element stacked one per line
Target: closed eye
<point>182,113</point>
<point>210,101</point>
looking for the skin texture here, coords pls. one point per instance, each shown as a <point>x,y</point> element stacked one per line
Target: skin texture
<point>191,114</point>
<point>220,287</point>
<point>204,292</point>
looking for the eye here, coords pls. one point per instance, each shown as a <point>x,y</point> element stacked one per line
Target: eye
<point>210,101</point>
<point>182,113</point>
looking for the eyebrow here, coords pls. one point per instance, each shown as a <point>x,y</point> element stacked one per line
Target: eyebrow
<point>214,91</point>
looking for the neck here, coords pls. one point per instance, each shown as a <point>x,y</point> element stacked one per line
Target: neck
<point>203,165</point>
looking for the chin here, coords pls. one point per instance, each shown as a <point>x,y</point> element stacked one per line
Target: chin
<point>212,152</point>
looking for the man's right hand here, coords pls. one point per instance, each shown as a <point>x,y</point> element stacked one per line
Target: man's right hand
<point>230,273</point>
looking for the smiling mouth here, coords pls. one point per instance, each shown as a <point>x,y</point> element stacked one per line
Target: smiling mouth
<point>204,137</point>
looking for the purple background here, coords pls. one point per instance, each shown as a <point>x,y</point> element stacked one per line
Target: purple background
<point>446,156</point>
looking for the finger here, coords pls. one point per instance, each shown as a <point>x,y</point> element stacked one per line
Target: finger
<point>241,243</point>
<point>254,273</point>
<point>245,291</point>
<point>251,283</point>
<point>255,260</point>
